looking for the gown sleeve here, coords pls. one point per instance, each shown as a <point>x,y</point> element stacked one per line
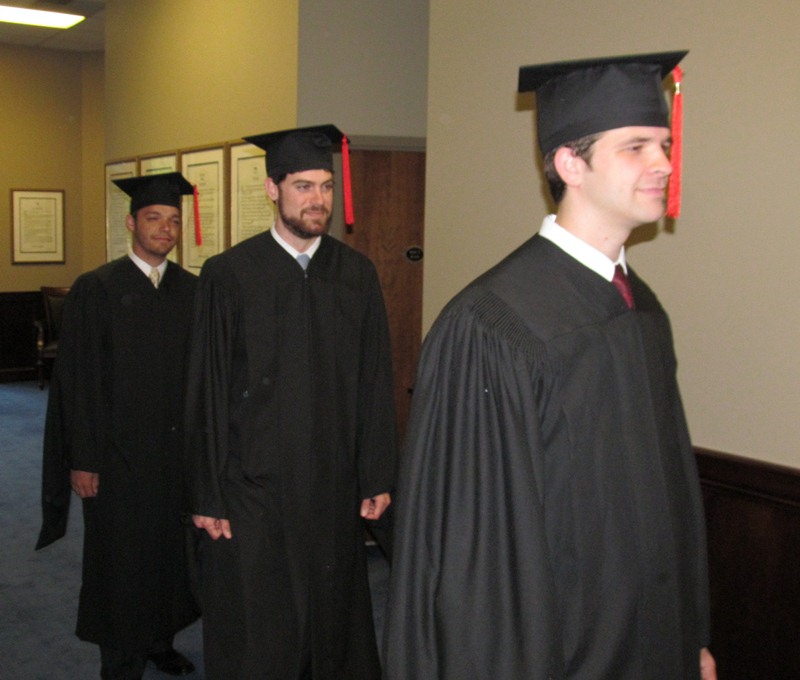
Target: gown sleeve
<point>208,389</point>
<point>77,405</point>
<point>83,374</point>
<point>377,436</point>
<point>56,490</point>
<point>471,592</point>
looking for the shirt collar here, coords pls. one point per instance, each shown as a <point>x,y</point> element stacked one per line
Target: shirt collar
<point>293,251</point>
<point>584,253</point>
<point>139,262</point>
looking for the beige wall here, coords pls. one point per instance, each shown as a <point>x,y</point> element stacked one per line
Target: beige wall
<point>185,73</point>
<point>174,75</point>
<point>41,138</point>
<point>363,66</point>
<point>727,272</point>
<point>93,244</point>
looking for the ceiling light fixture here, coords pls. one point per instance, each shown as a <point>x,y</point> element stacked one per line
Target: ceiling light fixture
<point>35,17</point>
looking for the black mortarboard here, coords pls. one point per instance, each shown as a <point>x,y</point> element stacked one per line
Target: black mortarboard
<point>299,149</point>
<point>579,98</point>
<point>308,148</point>
<point>163,189</point>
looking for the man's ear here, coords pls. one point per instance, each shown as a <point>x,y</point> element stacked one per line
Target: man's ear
<point>569,166</point>
<point>130,223</point>
<point>272,189</point>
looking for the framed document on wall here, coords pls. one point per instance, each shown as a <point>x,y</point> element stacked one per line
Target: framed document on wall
<point>251,209</point>
<point>156,165</point>
<point>204,168</point>
<point>37,219</point>
<point>117,206</point>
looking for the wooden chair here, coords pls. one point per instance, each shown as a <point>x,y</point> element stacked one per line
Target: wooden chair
<point>49,328</point>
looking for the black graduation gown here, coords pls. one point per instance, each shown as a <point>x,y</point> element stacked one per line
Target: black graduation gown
<point>116,407</point>
<point>293,415</point>
<point>548,514</point>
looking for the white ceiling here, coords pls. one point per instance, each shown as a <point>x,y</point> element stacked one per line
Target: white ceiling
<point>87,36</point>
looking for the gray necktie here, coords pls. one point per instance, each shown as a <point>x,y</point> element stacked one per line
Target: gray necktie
<point>155,277</point>
<point>303,259</point>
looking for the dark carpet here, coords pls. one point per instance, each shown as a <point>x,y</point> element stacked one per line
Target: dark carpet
<point>39,589</point>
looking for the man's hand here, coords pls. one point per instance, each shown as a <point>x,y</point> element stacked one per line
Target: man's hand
<point>708,667</point>
<point>373,508</point>
<point>214,526</point>
<point>85,484</point>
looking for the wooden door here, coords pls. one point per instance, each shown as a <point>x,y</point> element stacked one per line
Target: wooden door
<point>389,208</point>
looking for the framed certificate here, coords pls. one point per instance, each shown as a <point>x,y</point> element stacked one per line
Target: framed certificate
<point>156,165</point>
<point>117,207</point>
<point>205,169</point>
<point>38,226</point>
<point>251,209</point>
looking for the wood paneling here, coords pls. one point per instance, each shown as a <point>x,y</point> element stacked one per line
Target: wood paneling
<point>753,519</point>
<point>18,335</point>
<point>389,206</point>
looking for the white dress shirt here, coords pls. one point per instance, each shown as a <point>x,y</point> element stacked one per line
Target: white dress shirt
<point>580,250</point>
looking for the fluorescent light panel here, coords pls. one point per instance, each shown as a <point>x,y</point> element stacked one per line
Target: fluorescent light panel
<point>35,17</point>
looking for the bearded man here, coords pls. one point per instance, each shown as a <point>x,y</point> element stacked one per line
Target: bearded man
<point>292,416</point>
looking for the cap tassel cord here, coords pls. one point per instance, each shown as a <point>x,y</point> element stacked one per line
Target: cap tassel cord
<point>348,189</point>
<point>198,233</point>
<point>676,155</point>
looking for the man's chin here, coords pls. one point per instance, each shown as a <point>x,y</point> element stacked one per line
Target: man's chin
<point>309,230</point>
<point>317,221</point>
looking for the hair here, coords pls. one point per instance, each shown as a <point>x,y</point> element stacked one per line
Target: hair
<point>582,148</point>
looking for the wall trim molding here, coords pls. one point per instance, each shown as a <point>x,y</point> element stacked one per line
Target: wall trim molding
<point>748,476</point>
<point>752,513</point>
<point>375,143</point>
<point>18,311</point>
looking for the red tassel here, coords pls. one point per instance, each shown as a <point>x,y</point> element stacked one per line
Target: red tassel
<point>348,188</point>
<point>676,155</point>
<point>198,234</point>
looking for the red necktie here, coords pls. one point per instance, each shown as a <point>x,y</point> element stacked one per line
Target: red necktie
<point>620,280</point>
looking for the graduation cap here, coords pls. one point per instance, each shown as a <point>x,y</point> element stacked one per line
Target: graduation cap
<point>308,148</point>
<point>165,189</point>
<point>162,189</point>
<point>583,97</point>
